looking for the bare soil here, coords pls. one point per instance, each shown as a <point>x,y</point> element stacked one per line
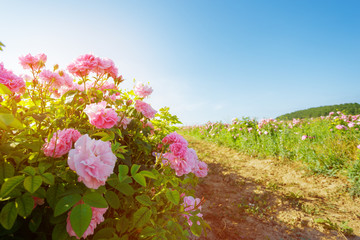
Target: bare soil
<point>249,198</point>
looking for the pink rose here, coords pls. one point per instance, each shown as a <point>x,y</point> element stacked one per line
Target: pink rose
<point>61,142</point>
<point>142,90</point>
<point>33,62</point>
<point>201,169</point>
<point>178,149</point>
<point>304,137</point>
<point>191,204</point>
<point>106,66</point>
<point>97,218</point>
<point>100,116</point>
<point>145,109</point>
<point>10,80</point>
<point>88,63</point>
<point>56,79</point>
<point>125,122</point>
<point>83,65</point>
<point>93,160</point>
<point>174,137</point>
<point>181,166</point>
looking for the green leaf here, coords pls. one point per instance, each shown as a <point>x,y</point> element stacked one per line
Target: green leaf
<point>59,232</point>
<point>105,233</point>
<point>141,217</point>
<point>4,89</point>
<point>53,193</point>
<point>8,215</point>
<point>105,136</point>
<point>66,203</point>
<point>39,117</point>
<point>70,96</point>
<point>10,185</point>
<point>1,45</point>
<point>35,221</point>
<point>148,232</point>
<point>148,174</point>
<point>32,183</point>
<point>126,189</point>
<point>173,196</point>
<point>140,179</point>
<point>123,171</point>
<point>134,169</point>
<point>8,120</point>
<point>123,187</point>
<point>144,200</point>
<point>196,229</point>
<point>48,178</point>
<point>6,171</point>
<point>25,204</point>
<point>80,218</point>
<point>112,199</point>
<point>29,170</point>
<point>95,199</point>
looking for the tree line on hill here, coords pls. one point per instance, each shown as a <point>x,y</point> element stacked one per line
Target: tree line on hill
<point>347,108</point>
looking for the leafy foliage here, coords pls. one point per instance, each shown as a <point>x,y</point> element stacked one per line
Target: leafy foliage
<point>41,195</point>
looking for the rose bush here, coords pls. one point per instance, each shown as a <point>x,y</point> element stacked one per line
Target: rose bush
<point>80,157</point>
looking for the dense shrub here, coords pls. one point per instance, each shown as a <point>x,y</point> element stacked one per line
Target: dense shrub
<point>81,157</point>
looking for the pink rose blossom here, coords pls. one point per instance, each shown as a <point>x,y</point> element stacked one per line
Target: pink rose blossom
<point>83,65</point>
<point>33,62</point>
<point>358,146</point>
<point>56,79</point>
<point>174,137</point>
<point>142,90</point>
<point>201,169</point>
<point>191,204</point>
<point>88,63</point>
<point>304,137</point>
<point>178,149</point>
<point>97,218</point>
<point>340,127</point>
<point>145,109</point>
<point>351,124</point>
<point>106,66</point>
<point>61,142</point>
<point>181,166</point>
<point>10,80</point>
<point>100,116</point>
<point>125,122</point>
<point>93,160</point>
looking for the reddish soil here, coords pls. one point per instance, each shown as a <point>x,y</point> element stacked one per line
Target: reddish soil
<point>248,198</point>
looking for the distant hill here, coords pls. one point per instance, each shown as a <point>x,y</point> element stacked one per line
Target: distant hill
<point>348,108</point>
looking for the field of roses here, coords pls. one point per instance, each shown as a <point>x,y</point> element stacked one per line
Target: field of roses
<point>327,145</point>
<point>80,157</point>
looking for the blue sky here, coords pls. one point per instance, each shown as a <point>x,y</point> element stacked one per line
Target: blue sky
<point>206,60</point>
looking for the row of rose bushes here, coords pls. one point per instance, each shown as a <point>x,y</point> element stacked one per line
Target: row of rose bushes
<point>327,145</point>
<point>82,158</point>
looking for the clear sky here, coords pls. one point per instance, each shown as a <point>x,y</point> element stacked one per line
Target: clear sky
<point>206,60</point>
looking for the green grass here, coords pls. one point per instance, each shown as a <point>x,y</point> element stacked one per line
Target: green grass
<point>326,150</point>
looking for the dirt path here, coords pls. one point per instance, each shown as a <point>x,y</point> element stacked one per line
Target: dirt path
<point>248,198</point>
